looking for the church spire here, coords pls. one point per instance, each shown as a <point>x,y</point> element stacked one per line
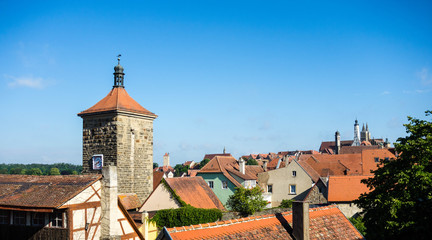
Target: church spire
<point>118,74</point>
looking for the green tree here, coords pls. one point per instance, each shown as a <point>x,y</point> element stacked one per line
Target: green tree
<point>286,203</point>
<point>33,171</point>
<point>3,171</point>
<point>74,172</point>
<point>359,224</point>
<point>203,163</point>
<point>247,201</point>
<point>400,203</point>
<point>54,171</point>
<point>155,165</point>
<point>180,169</point>
<point>252,162</point>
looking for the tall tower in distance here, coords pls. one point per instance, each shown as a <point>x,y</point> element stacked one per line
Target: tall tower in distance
<point>118,131</point>
<point>365,134</point>
<point>166,162</point>
<point>356,141</point>
<point>337,142</point>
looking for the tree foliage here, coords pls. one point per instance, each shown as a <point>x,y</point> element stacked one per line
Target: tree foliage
<point>359,224</point>
<point>400,204</point>
<point>179,169</point>
<point>247,201</point>
<point>54,171</point>
<point>155,165</point>
<point>252,162</point>
<point>185,216</point>
<point>286,203</point>
<point>64,168</point>
<point>203,163</point>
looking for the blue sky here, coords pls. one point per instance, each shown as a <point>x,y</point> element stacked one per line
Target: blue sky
<point>251,76</point>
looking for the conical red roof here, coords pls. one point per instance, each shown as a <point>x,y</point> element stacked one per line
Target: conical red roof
<point>117,100</point>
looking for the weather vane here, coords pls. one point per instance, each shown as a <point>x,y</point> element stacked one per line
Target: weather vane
<point>118,58</point>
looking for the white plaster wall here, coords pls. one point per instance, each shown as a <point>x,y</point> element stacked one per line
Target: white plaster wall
<point>348,209</point>
<point>161,198</point>
<point>282,178</point>
<point>78,218</point>
<point>86,194</point>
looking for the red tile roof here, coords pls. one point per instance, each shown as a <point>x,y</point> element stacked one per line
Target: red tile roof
<point>356,149</point>
<point>42,191</point>
<point>117,100</point>
<point>325,223</point>
<point>157,177</point>
<point>368,159</point>
<point>346,188</point>
<point>211,156</point>
<point>195,191</point>
<point>331,144</point>
<point>129,200</point>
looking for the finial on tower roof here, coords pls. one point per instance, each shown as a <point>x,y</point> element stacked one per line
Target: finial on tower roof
<point>118,74</point>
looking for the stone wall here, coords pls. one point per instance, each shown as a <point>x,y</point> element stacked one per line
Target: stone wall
<point>126,141</point>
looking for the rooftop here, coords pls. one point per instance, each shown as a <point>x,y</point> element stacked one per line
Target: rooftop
<point>28,191</point>
<point>325,223</point>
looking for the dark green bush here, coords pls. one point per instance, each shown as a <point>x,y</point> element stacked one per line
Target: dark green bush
<point>286,203</point>
<point>185,216</point>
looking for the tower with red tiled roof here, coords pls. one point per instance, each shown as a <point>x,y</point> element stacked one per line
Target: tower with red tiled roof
<point>118,131</point>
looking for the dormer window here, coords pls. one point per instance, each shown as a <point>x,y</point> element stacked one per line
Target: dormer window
<point>376,160</point>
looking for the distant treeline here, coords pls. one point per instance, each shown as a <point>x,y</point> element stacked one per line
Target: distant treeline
<point>41,169</point>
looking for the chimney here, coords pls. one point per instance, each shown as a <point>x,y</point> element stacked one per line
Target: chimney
<point>242,165</point>
<point>166,160</point>
<point>145,221</point>
<point>109,203</point>
<point>337,142</point>
<point>301,220</point>
<point>265,165</point>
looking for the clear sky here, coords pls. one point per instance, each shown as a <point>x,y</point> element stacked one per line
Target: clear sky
<point>251,76</point>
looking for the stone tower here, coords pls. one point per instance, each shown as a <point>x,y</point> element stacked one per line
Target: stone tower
<point>365,134</point>
<point>117,131</point>
<point>166,162</point>
<point>356,141</point>
<point>337,142</point>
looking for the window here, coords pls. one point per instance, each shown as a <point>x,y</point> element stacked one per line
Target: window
<point>386,159</point>
<point>224,185</point>
<point>269,188</point>
<point>292,189</point>
<point>38,219</point>
<point>376,159</point>
<point>56,220</point>
<point>4,217</point>
<point>294,173</point>
<point>19,218</point>
<point>211,184</point>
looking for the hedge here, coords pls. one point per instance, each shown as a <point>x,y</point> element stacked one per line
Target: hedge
<point>186,216</point>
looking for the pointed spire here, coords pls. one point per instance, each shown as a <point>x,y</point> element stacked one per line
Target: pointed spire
<point>118,74</point>
<point>363,128</point>
<point>224,150</point>
<point>367,127</point>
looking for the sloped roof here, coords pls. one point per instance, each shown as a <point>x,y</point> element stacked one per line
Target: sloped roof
<point>117,100</point>
<point>368,158</point>
<point>195,191</point>
<point>211,156</point>
<point>129,200</point>
<point>42,191</point>
<point>325,164</point>
<point>157,177</point>
<point>325,223</point>
<point>346,188</point>
<point>331,144</point>
<point>356,149</point>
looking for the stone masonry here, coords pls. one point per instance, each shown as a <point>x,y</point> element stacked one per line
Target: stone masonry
<point>126,141</point>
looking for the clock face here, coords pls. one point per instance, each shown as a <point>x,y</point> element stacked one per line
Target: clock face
<point>97,162</point>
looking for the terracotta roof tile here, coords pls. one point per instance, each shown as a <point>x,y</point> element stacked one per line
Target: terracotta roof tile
<point>195,191</point>
<point>42,191</point>
<point>325,223</point>
<point>129,201</point>
<point>157,177</point>
<point>346,188</point>
<point>211,156</point>
<point>117,100</point>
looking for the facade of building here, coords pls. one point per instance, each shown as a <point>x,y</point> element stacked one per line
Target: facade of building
<point>118,131</point>
<point>59,207</point>
<point>223,174</point>
<point>290,182</point>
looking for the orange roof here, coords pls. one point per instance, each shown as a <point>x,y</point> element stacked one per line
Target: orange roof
<point>326,165</point>
<point>368,159</point>
<point>346,188</point>
<point>195,191</point>
<point>157,177</point>
<point>117,100</point>
<point>211,156</point>
<point>325,223</point>
<point>129,200</point>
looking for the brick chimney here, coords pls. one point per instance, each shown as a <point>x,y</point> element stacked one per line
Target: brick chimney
<point>301,220</point>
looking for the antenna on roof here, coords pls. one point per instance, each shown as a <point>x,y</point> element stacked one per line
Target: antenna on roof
<point>118,58</point>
